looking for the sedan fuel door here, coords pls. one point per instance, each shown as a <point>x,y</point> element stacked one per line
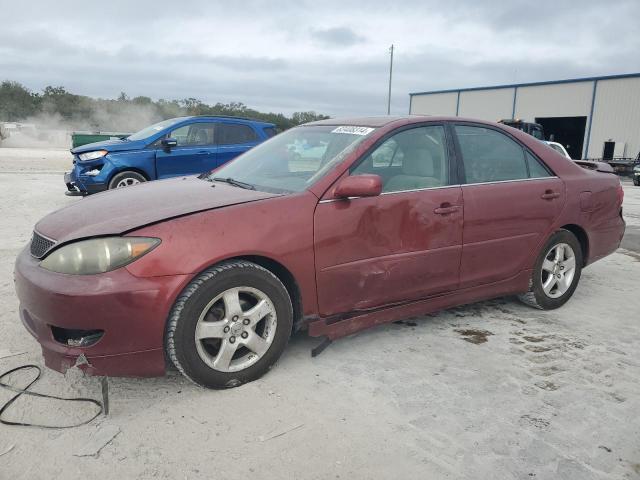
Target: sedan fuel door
<point>402,245</point>
<point>511,201</point>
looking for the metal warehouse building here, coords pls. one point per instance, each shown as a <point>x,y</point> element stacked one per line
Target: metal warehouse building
<point>597,117</point>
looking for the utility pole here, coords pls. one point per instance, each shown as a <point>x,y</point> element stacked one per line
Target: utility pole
<point>390,76</point>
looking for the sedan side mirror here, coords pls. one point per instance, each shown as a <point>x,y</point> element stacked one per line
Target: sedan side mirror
<point>169,143</point>
<point>366,185</point>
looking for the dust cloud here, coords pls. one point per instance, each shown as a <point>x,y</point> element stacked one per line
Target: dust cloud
<point>51,130</point>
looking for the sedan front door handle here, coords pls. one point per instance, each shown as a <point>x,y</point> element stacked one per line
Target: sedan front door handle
<point>550,195</point>
<point>446,209</point>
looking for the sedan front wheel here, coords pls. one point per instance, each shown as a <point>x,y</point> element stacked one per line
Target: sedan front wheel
<point>229,325</point>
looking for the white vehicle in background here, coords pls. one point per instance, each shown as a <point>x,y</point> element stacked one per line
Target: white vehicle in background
<point>558,147</point>
<point>4,131</point>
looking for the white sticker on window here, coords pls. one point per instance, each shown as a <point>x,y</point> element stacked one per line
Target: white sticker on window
<point>353,130</point>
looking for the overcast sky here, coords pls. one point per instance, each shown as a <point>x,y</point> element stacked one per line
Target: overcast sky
<point>331,57</point>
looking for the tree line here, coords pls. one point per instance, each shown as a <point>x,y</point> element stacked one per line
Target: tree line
<point>18,103</point>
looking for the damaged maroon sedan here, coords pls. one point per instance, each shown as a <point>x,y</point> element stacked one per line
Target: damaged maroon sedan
<point>332,227</point>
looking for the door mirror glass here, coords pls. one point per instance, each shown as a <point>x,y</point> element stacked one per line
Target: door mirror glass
<point>169,143</point>
<point>367,185</point>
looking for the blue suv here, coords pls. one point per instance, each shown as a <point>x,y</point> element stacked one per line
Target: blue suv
<point>178,146</point>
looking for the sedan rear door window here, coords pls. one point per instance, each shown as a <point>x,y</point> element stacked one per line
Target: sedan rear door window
<point>536,168</point>
<point>490,156</point>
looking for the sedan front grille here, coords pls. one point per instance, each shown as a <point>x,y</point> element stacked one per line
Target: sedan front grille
<point>40,245</point>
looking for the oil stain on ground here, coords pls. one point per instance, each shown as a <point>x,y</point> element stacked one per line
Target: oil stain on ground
<point>474,336</point>
<point>405,322</point>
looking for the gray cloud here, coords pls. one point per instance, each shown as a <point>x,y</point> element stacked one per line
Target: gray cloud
<point>293,56</point>
<point>337,36</point>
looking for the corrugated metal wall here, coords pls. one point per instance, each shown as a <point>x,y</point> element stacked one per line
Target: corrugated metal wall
<point>490,105</point>
<point>616,115</point>
<point>560,100</point>
<point>434,104</point>
<point>616,107</point>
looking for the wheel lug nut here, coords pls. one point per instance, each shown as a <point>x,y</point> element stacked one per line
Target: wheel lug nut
<point>246,321</point>
<point>232,340</point>
<point>244,335</point>
<point>235,318</point>
<point>226,329</point>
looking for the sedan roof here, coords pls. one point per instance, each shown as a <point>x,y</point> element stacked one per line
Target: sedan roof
<point>381,121</point>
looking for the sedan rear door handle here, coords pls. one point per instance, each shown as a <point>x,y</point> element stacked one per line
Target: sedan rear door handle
<point>550,195</point>
<point>445,209</point>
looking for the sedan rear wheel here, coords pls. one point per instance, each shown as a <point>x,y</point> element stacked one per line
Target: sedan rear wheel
<point>230,325</point>
<point>556,272</point>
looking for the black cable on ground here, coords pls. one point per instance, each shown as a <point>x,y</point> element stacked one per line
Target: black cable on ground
<point>25,391</point>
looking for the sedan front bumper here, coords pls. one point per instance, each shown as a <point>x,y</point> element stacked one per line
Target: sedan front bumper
<point>130,313</point>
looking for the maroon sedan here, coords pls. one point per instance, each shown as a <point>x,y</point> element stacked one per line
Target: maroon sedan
<point>334,226</point>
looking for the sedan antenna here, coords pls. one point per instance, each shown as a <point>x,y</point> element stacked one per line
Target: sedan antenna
<point>390,76</point>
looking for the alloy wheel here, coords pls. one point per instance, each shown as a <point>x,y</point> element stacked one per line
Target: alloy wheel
<point>127,182</point>
<point>558,270</point>
<point>236,329</point>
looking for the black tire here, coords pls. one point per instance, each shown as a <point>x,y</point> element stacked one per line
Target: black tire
<point>636,182</point>
<point>180,342</point>
<point>124,176</point>
<point>536,296</point>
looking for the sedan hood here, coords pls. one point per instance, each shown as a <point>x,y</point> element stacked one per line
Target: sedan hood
<point>115,212</point>
<point>110,146</point>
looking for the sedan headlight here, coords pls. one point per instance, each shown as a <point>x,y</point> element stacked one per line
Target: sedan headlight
<point>92,155</point>
<point>98,255</point>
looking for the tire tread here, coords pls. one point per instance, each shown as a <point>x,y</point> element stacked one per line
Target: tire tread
<point>529,297</point>
<point>187,293</point>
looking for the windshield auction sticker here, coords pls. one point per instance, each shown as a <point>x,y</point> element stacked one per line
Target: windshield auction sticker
<point>353,130</point>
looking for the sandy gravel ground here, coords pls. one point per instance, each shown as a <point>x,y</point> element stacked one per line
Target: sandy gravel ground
<point>548,395</point>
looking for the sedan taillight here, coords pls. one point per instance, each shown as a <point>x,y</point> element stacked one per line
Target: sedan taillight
<point>620,194</point>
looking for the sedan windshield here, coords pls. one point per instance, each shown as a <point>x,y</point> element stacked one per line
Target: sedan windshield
<point>293,160</point>
<point>153,129</point>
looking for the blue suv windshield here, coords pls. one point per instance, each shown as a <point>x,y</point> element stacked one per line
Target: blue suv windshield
<point>153,129</point>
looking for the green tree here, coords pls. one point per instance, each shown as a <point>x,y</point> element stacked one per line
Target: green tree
<point>142,100</point>
<point>123,113</point>
<point>298,118</point>
<point>17,102</point>
<point>56,100</point>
